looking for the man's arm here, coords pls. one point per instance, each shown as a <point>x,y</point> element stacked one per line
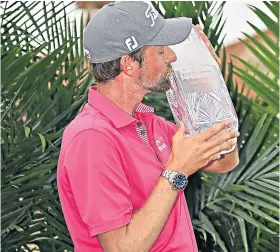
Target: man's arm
<point>227,163</point>
<point>145,225</point>
<point>187,156</point>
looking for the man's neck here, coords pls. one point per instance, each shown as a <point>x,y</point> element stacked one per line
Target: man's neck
<point>125,99</point>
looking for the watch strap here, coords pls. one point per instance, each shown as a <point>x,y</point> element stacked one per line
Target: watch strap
<point>168,174</point>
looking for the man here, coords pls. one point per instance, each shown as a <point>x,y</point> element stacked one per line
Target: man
<point>122,169</point>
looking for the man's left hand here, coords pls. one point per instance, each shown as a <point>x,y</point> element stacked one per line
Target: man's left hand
<point>208,43</point>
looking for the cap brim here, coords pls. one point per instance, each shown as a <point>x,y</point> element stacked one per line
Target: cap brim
<point>174,31</point>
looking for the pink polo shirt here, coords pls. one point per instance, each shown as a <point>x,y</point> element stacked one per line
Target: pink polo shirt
<point>109,164</point>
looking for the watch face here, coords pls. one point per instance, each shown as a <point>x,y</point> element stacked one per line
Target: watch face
<point>180,181</point>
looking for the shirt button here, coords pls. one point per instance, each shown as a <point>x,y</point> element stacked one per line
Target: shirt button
<point>139,124</point>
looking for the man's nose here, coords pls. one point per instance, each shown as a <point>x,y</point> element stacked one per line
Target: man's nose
<point>170,55</point>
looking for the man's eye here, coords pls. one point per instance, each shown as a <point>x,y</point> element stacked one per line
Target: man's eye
<point>161,52</point>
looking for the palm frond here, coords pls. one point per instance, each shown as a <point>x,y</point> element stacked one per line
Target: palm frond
<point>267,52</point>
<point>44,87</point>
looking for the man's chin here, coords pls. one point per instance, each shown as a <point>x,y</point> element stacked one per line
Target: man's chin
<point>161,88</point>
<point>166,87</point>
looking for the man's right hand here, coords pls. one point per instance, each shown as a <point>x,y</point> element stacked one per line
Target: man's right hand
<point>190,154</point>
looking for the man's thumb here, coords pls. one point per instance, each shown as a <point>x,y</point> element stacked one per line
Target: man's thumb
<point>181,128</point>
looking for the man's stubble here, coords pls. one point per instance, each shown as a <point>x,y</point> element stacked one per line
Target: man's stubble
<point>160,85</point>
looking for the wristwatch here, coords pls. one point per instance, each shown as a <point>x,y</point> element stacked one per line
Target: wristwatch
<point>177,180</point>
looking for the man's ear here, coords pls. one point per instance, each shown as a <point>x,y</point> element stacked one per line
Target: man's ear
<point>128,65</point>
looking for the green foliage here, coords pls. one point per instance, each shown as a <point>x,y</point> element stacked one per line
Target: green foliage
<point>267,52</point>
<point>235,211</point>
<point>44,86</point>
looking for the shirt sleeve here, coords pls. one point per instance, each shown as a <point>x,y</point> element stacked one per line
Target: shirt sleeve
<point>98,182</point>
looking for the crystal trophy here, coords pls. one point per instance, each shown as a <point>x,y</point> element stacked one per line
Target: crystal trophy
<point>198,95</point>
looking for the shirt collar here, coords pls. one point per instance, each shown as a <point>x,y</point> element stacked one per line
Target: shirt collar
<point>114,113</point>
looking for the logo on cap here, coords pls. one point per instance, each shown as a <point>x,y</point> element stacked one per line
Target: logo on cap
<point>87,54</point>
<point>131,43</point>
<point>151,13</point>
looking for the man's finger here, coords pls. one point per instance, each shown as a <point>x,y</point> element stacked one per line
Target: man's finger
<point>204,136</point>
<point>221,139</point>
<point>181,129</point>
<point>215,157</point>
<point>208,43</point>
<point>198,27</point>
<point>217,149</point>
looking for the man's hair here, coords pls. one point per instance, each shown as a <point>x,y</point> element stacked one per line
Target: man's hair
<point>104,72</point>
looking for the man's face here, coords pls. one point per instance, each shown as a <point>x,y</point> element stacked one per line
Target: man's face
<point>156,68</point>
